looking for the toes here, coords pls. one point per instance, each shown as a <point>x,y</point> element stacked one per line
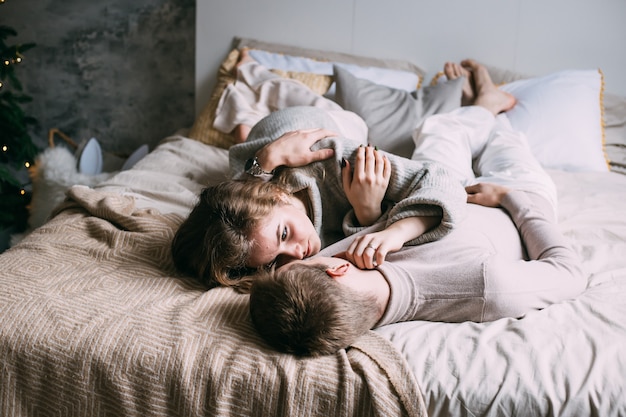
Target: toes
<point>469,63</point>
<point>452,70</point>
<point>448,70</point>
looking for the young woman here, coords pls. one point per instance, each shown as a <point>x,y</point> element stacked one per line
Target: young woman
<point>322,187</point>
<point>222,239</point>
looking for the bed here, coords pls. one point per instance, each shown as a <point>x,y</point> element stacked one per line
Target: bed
<point>97,321</point>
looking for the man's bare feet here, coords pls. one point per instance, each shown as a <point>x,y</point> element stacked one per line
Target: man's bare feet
<point>452,70</point>
<point>240,133</point>
<point>488,95</point>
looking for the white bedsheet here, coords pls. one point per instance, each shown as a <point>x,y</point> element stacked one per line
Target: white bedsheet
<point>566,360</point>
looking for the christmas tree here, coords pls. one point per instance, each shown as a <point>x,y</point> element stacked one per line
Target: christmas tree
<point>17,150</point>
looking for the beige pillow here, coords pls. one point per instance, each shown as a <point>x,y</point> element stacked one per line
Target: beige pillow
<point>203,130</point>
<point>317,82</point>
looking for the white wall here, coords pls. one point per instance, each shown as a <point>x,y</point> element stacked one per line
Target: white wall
<point>529,36</point>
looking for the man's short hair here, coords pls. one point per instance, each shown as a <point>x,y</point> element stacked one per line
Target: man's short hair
<point>301,310</point>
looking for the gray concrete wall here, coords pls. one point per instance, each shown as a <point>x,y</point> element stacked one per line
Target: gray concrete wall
<point>121,71</point>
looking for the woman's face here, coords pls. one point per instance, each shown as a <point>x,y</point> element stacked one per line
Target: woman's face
<point>286,234</point>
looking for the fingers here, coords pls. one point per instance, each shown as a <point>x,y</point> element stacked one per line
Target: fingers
<point>371,165</point>
<point>322,154</point>
<point>473,189</point>
<point>307,136</point>
<point>486,194</point>
<point>318,133</point>
<point>346,175</point>
<point>293,149</point>
<point>366,252</point>
<point>472,199</point>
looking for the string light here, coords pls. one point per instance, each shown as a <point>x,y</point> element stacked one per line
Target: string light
<point>16,59</point>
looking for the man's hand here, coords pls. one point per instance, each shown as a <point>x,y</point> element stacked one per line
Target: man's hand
<point>485,194</point>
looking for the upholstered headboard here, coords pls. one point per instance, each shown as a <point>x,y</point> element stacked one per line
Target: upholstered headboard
<point>533,37</point>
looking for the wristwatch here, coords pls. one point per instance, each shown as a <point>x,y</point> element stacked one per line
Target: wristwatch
<point>253,168</point>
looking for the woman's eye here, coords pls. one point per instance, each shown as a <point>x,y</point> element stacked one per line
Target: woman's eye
<point>283,236</point>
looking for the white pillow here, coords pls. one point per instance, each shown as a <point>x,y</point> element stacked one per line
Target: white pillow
<point>291,63</point>
<point>403,80</point>
<point>561,114</point>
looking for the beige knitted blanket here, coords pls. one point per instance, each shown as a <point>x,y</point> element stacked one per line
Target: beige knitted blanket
<point>95,322</point>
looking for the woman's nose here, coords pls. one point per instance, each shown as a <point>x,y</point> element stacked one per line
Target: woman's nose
<point>296,251</point>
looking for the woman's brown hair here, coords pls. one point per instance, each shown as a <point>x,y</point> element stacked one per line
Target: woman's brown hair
<point>213,243</point>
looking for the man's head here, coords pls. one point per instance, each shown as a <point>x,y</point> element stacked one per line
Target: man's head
<point>303,308</point>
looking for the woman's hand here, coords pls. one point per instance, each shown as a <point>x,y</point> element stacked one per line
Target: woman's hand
<point>370,250</point>
<point>365,187</point>
<point>293,149</point>
<point>485,194</point>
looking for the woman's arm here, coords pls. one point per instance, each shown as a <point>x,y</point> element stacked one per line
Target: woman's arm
<point>370,250</point>
<point>420,189</point>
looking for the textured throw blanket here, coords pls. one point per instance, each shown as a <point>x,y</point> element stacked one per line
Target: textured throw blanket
<point>95,322</point>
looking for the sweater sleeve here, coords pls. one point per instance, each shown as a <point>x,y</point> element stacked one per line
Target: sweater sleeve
<point>425,189</point>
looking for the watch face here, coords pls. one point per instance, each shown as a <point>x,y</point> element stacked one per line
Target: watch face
<point>249,163</point>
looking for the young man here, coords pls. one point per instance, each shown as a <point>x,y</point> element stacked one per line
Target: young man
<point>505,259</point>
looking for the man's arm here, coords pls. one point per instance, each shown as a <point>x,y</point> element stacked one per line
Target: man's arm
<point>553,272</point>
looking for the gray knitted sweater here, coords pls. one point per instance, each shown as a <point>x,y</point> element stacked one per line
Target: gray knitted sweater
<point>415,188</point>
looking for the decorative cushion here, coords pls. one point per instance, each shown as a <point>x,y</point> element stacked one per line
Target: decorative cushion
<point>317,82</point>
<point>392,114</point>
<point>562,115</point>
<point>202,129</point>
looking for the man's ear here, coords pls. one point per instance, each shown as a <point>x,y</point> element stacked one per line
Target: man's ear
<point>338,271</point>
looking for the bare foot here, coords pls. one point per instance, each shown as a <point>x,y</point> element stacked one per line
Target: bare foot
<point>452,70</point>
<point>240,133</point>
<point>244,56</point>
<point>488,95</point>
